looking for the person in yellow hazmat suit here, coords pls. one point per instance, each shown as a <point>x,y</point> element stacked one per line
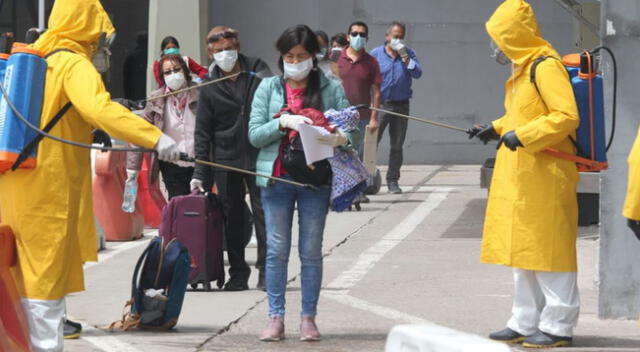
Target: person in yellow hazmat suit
<point>631,209</point>
<point>43,205</point>
<point>532,213</point>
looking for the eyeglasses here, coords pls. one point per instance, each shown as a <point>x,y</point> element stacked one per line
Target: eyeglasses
<point>226,35</point>
<point>175,70</point>
<point>361,34</point>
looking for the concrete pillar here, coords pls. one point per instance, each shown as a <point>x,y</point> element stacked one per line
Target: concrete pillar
<point>619,249</point>
<point>185,20</point>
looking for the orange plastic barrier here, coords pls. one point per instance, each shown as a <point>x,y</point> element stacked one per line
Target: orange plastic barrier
<point>108,186</point>
<point>151,198</point>
<point>14,330</point>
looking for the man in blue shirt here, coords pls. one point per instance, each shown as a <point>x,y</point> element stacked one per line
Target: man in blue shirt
<point>399,65</point>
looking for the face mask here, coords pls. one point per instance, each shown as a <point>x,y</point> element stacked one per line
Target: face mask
<point>395,42</point>
<point>226,59</point>
<point>299,71</point>
<point>102,55</point>
<point>498,55</point>
<point>170,51</point>
<point>357,43</point>
<point>102,60</point>
<point>335,54</point>
<point>175,81</point>
<point>322,54</point>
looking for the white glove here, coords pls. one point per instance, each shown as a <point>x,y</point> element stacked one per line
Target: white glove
<point>196,184</point>
<point>292,121</point>
<point>335,140</point>
<point>132,175</point>
<point>167,149</point>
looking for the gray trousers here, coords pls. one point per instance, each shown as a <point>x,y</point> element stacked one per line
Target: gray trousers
<point>397,133</point>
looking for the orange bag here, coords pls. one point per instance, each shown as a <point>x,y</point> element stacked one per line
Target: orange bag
<point>13,323</point>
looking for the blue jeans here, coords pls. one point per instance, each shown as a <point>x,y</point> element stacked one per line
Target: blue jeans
<point>279,201</point>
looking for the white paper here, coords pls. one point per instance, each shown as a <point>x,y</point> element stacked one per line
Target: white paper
<point>313,150</point>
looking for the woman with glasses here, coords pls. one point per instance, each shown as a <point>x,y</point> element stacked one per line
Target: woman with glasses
<point>302,86</point>
<point>170,45</point>
<point>175,115</point>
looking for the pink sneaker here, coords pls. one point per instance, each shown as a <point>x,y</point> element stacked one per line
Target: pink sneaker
<point>274,330</point>
<point>309,330</point>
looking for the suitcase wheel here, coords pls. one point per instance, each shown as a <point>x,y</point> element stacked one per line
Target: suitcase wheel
<point>220,283</point>
<point>194,286</point>
<point>207,285</point>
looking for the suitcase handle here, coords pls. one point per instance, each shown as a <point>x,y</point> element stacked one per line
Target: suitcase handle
<point>191,213</point>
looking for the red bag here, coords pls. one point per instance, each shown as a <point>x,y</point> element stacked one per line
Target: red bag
<point>14,330</point>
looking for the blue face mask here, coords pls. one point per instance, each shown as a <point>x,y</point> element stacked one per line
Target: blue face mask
<point>170,51</point>
<point>357,43</point>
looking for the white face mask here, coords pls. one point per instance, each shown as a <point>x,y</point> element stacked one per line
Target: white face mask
<point>226,59</point>
<point>175,81</point>
<point>299,71</point>
<point>395,42</point>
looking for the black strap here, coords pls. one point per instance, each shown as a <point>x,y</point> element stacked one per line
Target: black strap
<point>24,154</point>
<point>59,50</point>
<point>532,75</point>
<point>34,142</point>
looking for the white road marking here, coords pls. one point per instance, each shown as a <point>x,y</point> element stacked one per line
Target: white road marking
<point>105,342</point>
<point>373,308</point>
<point>117,249</point>
<point>368,259</point>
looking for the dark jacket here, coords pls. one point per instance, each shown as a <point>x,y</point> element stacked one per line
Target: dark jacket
<point>222,120</point>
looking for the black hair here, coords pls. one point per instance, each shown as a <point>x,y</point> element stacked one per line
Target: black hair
<point>169,40</point>
<point>303,35</point>
<point>176,59</point>
<point>340,38</point>
<point>324,36</point>
<point>359,23</point>
<point>397,24</point>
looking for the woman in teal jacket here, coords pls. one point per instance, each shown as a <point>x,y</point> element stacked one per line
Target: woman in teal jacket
<point>301,86</point>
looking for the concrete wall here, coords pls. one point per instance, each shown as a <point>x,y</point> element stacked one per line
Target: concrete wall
<point>461,85</point>
<point>619,249</point>
<point>186,21</point>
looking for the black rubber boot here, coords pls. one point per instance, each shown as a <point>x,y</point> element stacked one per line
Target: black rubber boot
<point>72,329</point>
<point>507,336</point>
<point>543,340</point>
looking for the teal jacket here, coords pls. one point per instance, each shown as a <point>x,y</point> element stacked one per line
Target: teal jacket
<point>264,131</point>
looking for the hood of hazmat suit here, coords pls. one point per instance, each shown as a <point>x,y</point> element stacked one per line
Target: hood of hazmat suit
<point>631,208</point>
<point>532,213</point>
<point>50,207</point>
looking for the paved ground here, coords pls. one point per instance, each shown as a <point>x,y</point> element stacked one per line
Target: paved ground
<point>407,258</point>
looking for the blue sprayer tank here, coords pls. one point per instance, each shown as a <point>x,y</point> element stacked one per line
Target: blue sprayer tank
<point>3,65</point>
<point>24,80</point>
<point>578,67</point>
<point>580,83</point>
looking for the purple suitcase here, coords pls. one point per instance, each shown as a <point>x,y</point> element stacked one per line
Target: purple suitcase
<point>197,221</point>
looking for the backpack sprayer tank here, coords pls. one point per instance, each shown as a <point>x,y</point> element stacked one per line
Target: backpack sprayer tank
<point>24,80</point>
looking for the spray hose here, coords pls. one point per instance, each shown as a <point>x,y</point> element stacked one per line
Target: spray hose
<point>615,92</point>
<point>183,156</point>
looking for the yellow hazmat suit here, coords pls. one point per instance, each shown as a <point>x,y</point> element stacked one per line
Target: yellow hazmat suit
<point>632,203</point>
<point>43,205</point>
<point>532,213</point>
